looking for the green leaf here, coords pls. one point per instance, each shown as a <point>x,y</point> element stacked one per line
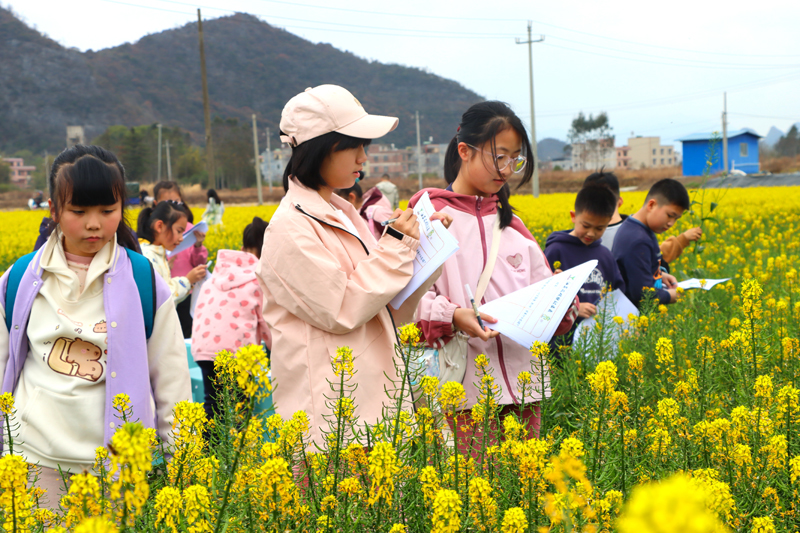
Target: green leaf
<point>712,219</point>
<point>713,206</point>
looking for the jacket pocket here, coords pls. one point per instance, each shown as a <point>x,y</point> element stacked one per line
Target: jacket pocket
<point>359,340</point>
<point>64,427</point>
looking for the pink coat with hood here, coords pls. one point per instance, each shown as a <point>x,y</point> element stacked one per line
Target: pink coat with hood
<point>325,288</point>
<point>375,208</point>
<point>520,262</point>
<point>228,311</point>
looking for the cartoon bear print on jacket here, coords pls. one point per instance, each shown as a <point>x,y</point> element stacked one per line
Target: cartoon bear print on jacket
<point>77,358</point>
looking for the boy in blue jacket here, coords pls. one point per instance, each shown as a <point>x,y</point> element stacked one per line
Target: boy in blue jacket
<point>594,207</point>
<point>636,247</point>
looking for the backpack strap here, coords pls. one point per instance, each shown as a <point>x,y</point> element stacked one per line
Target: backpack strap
<point>14,278</point>
<point>145,278</point>
<point>486,275</point>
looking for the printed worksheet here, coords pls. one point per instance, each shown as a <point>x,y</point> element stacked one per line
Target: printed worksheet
<point>613,304</point>
<point>534,313</point>
<point>695,283</point>
<point>436,245</point>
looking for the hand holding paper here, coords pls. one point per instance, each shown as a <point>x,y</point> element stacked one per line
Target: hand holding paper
<point>436,245</point>
<point>534,313</point>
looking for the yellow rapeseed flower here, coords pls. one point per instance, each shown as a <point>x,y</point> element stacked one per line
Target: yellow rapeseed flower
<point>763,524</point>
<point>382,470</point>
<point>763,387</point>
<point>196,505</point>
<point>452,396</point>
<point>604,378</point>
<point>514,521</point>
<point>409,334</point>
<point>97,524</point>
<point>7,403</point>
<point>671,506</point>
<point>168,505</point>
<point>446,512</point>
<point>483,507</point>
<point>343,361</point>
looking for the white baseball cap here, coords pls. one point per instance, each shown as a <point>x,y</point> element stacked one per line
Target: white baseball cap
<point>326,108</point>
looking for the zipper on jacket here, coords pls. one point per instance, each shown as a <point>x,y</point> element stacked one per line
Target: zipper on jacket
<point>391,317</point>
<point>482,231</point>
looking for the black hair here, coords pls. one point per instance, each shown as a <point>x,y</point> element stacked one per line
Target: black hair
<point>669,192</point>
<point>86,176</point>
<point>307,158</point>
<point>345,193</point>
<point>480,125</point>
<point>167,211</point>
<point>211,193</point>
<point>172,186</point>
<point>603,179</point>
<point>253,237</point>
<point>597,200</point>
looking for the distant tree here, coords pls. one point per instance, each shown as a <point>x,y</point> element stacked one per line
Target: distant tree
<point>557,168</point>
<point>590,137</point>
<point>190,167</point>
<point>5,173</point>
<point>789,144</point>
<point>233,153</point>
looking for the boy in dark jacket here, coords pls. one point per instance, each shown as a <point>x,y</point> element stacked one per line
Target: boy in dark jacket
<point>594,207</point>
<point>636,247</point>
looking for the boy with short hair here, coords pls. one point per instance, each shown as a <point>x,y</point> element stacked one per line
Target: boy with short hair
<point>636,247</point>
<point>610,182</point>
<point>594,207</point>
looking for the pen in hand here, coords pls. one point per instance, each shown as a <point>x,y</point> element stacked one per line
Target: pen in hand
<point>474,306</point>
<point>390,221</point>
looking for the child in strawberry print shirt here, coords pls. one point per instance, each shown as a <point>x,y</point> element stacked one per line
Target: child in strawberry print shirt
<point>228,312</point>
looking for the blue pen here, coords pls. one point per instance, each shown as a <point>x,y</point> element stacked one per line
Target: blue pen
<point>474,306</point>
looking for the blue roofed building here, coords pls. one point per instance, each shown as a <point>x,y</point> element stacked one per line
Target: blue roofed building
<point>699,148</point>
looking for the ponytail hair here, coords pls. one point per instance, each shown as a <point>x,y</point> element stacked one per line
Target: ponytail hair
<point>479,126</point>
<point>167,211</point>
<point>253,237</point>
<point>87,176</point>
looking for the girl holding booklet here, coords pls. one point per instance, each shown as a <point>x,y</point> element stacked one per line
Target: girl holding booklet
<point>327,281</point>
<point>490,146</point>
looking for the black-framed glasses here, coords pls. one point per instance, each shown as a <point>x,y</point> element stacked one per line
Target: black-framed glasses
<point>503,161</point>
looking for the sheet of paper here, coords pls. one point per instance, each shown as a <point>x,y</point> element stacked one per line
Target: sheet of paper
<point>695,283</point>
<point>613,304</point>
<point>534,313</point>
<point>189,238</point>
<point>436,245</point>
<point>196,293</point>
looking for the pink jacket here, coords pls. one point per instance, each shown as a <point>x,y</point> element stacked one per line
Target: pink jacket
<point>187,260</point>
<point>520,262</point>
<point>325,288</point>
<point>228,311</point>
<point>375,209</point>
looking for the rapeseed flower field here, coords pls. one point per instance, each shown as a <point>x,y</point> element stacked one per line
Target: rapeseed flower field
<point>688,421</point>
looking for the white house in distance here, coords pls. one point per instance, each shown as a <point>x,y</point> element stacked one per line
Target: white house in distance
<point>594,155</point>
<point>645,152</point>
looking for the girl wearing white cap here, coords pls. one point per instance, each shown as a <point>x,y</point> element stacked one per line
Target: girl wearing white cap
<point>327,281</point>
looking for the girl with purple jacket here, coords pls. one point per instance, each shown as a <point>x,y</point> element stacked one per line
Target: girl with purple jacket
<point>77,335</point>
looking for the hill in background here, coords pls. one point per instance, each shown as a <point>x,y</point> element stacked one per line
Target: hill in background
<point>253,67</point>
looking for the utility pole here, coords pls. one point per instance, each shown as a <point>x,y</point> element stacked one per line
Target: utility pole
<point>269,164</point>
<point>159,152</point>
<point>210,166</point>
<point>725,131</point>
<point>419,153</point>
<point>255,161</point>
<point>169,164</point>
<point>535,148</point>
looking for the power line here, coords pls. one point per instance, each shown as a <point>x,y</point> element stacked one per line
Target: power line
<point>795,117</point>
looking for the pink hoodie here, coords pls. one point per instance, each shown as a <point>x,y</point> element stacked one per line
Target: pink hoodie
<point>375,209</point>
<point>182,263</point>
<point>228,311</point>
<point>520,262</point>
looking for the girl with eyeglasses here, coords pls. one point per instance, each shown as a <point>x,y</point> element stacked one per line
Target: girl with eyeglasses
<point>490,146</point>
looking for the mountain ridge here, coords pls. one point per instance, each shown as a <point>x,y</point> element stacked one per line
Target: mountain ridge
<point>253,67</point>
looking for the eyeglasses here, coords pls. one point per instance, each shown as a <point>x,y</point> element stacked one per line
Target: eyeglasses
<point>503,161</point>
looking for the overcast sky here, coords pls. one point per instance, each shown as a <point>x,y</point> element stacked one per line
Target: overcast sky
<point>657,68</point>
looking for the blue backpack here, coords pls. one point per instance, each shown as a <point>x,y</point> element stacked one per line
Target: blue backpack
<point>143,275</point>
